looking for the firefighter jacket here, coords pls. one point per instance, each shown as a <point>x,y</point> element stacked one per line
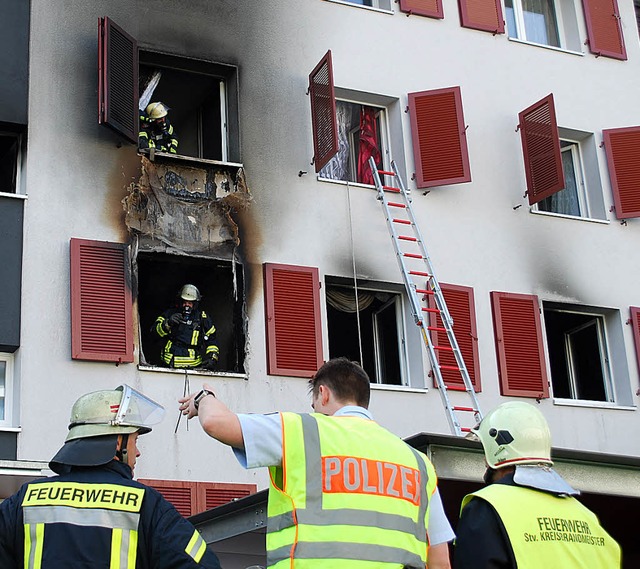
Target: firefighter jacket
<point>190,343</point>
<point>549,530</point>
<point>347,490</point>
<point>98,518</point>
<point>157,135</point>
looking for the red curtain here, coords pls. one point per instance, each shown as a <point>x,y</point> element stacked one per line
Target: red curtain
<point>368,144</point>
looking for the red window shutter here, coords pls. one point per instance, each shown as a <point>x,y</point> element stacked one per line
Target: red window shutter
<point>323,112</point>
<point>484,15</point>
<point>101,305</point>
<point>604,29</point>
<point>429,8</point>
<point>461,306</point>
<point>439,137</point>
<point>518,334</point>
<point>182,494</point>
<point>294,339</point>
<point>541,149</point>
<point>213,494</point>
<point>635,322</point>
<point>117,79</point>
<point>622,146</point>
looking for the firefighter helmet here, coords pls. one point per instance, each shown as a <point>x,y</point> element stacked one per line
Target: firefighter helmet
<point>513,433</point>
<point>190,292</point>
<point>156,110</point>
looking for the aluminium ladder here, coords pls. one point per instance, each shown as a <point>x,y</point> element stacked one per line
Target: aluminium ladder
<point>420,307</point>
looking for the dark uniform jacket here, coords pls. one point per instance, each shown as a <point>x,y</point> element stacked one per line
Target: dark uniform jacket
<point>189,343</point>
<point>97,518</point>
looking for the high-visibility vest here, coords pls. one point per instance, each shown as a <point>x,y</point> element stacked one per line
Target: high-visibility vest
<point>349,494</point>
<point>545,530</point>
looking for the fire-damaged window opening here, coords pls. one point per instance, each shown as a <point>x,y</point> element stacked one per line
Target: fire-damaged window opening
<point>12,144</point>
<point>160,276</point>
<point>202,100</point>
<point>586,353</point>
<point>380,329</point>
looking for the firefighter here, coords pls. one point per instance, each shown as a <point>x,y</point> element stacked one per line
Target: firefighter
<point>93,514</point>
<point>155,129</point>
<point>189,333</point>
<point>527,515</point>
<point>344,491</point>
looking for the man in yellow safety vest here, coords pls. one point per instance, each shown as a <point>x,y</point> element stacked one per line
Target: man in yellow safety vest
<point>527,516</point>
<point>344,492</point>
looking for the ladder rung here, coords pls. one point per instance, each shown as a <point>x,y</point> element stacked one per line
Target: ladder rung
<point>425,291</point>
<point>452,368</point>
<point>395,204</point>
<point>405,221</point>
<point>465,429</point>
<point>407,238</point>
<point>412,255</point>
<point>391,189</point>
<point>434,310</point>
<point>420,274</point>
<point>386,173</point>
<point>436,329</point>
<point>445,348</point>
<point>454,387</point>
<point>458,408</point>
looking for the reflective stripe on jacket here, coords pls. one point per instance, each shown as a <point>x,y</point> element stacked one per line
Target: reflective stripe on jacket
<point>347,490</point>
<point>546,530</point>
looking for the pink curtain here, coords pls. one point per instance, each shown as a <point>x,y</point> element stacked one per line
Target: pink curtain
<point>368,144</point>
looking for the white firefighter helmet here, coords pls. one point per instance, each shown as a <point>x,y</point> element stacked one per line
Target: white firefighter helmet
<point>113,412</point>
<point>156,110</point>
<point>514,433</point>
<point>190,292</point>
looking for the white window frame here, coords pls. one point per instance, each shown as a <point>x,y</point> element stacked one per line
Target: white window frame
<point>397,301</point>
<point>378,5</point>
<point>385,139</point>
<point>7,393</point>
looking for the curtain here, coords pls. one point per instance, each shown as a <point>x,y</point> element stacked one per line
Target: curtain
<point>368,144</point>
<point>344,300</point>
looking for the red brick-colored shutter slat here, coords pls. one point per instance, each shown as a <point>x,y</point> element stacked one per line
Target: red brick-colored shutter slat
<point>429,8</point>
<point>294,339</point>
<point>519,348</point>
<point>635,323</point>
<point>117,79</point>
<point>218,493</point>
<point>439,137</point>
<point>541,150</point>
<point>461,306</point>
<point>484,15</point>
<point>323,112</point>
<point>622,146</point>
<point>101,302</point>
<point>182,494</point>
<point>604,29</point>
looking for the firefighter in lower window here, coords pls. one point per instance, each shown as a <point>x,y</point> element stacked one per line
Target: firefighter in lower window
<point>189,332</point>
<point>155,129</point>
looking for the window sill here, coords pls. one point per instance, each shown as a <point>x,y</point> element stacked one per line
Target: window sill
<point>551,47</point>
<point>403,388</point>
<point>178,371</point>
<point>168,156</point>
<point>593,404</point>
<point>8,429</point>
<point>574,217</point>
<point>343,183</point>
<point>12,195</point>
<point>371,8</point>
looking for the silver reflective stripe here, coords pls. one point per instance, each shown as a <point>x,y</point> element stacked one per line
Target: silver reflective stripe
<point>81,517</point>
<point>33,541</point>
<point>313,461</point>
<point>420,528</point>
<point>279,522</point>
<point>196,546</point>
<point>343,550</point>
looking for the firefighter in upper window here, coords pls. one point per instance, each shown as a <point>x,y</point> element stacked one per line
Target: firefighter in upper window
<point>93,514</point>
<point>155,129</point>
<point>189,332</point>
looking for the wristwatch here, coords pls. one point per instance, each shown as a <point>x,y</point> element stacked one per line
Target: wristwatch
<point>200,396</point>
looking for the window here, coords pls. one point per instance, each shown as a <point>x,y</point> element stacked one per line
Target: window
<point>362,132</point>
<point>11,153</point>
<point>578,354</point>
<point>160,276</point>
<point>544,22</point>
<point>6,389</point>
<point>379,4</point>
<point>369,330</point>
<point>201,95</point>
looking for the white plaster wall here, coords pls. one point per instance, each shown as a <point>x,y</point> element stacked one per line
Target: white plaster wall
<point>77,174</point>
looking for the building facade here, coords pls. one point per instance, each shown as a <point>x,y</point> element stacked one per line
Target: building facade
<point>516,127</point>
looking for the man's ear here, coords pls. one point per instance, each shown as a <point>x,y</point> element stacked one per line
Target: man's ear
<point>119,443</point>
<point>324,393</point>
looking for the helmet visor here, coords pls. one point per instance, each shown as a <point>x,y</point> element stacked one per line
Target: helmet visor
<point>137,410</point>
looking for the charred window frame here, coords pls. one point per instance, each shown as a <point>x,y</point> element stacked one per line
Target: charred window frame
<point>203,100</point>
<point>381,332</point>
<point>12,152</point>
<point>586,354</point>
<point>221,284</point>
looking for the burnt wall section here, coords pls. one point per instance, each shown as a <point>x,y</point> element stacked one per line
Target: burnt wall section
<point>185,209</point>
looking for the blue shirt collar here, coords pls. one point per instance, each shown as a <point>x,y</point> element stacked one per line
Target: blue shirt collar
<point>354,411</point>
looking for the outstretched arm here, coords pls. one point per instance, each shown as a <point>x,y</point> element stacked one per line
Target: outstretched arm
<point>216,419</point>
<point>439,556</point>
